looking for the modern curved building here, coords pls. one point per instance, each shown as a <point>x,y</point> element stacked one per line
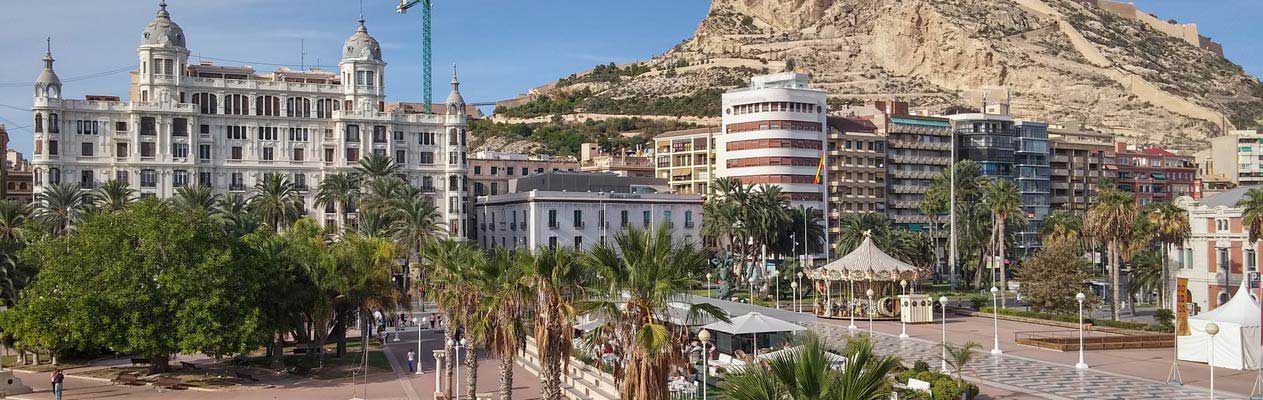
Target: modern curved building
<point>774,132</point>
<point>228,127</point>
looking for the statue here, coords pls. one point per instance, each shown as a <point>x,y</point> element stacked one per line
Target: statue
<point>722,263</point>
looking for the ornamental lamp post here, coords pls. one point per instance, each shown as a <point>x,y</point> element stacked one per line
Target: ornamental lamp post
<point>942,301</point>
<point>995,321</point>
<point>1080,297</point>
<point>794,285</point>
<point>423,321</point>
<point>708,281</point>
<point>704,336</point>
<point>1212,329</point>
<point>903,326</point>
<point>869,310</point>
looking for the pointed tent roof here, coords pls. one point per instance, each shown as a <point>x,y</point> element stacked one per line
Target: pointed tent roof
<point>753,323</point>
<point>1240,310</point>
<point>867,262</point>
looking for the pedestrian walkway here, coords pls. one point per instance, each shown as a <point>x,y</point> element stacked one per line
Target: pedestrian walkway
<point>1045,379</point>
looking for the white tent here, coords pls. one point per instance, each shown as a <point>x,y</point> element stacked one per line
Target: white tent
<point>753,324</point>
<point>1237,345</point>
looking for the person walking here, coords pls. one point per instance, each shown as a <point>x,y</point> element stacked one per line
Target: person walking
<point>433,320</point>
<point>412,361</point>
<point>57,378</point>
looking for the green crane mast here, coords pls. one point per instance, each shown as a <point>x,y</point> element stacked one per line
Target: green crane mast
<point>426,57</point>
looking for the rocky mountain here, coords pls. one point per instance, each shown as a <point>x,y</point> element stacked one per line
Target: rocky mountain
<point>1062,61</point>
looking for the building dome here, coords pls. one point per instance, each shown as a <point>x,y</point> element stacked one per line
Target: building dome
<point>454,100</point>
<point>47,84</point>
<point>361,45</point>
<point>162,31</point>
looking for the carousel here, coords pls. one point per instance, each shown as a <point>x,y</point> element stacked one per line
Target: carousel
<point>869,283</point>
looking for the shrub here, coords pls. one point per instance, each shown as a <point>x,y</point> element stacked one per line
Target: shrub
<point>920,366</point>
<point>942,386</point>
<point>1165,319</point>
<point>1074,318</point>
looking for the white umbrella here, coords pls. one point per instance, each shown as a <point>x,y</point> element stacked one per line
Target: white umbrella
<point>753,324</point>
<point>590,325</point>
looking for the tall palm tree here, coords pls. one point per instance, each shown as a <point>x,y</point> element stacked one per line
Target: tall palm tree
<point>233,213</point>
<point>61,205</point>
<point>114,195</point>
<point>277,201</point>
<point>339,191</point>
<point>1110,221</point>
<point>379,194</point>
<point>196,199</point>
<point>1062,225</point>
<point>12,218</point>
<point>375,166</point>
<point>638,279</point>
<point>1003,199</point>
<point>1171,228</point>
<point>415,220</point>
<point>558,279</point>
<point>807,373</point>
<point>451,267</point>
<point>500,313</point>
<point>971,221</point>
<point>855,225</point>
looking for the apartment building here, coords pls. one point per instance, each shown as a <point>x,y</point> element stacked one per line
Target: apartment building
<point>857,169</point>
<point>919,149</point>
<point>622,162</point>
<point>1237,156</point>
<point>1080,159</point>
<point>1153,174</point>
<point>489,172</point>
<point>686,159</point>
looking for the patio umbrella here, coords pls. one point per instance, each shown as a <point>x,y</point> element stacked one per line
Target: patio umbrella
<point>753,324</point>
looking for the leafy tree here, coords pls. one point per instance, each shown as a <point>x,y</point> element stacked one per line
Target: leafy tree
<point>960,357</point>
<point>1053,276</point>
<point>415,221</point>
<point>971,221</point>
<point>195,199</point>
<point>181,286</point>
<point>377,166</point>
<point>500,313</point>
<point>1062,225</point>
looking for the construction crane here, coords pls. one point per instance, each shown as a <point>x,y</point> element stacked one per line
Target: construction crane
<point>426,56</point>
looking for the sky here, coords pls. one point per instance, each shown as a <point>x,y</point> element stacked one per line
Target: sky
<point>501,47</point>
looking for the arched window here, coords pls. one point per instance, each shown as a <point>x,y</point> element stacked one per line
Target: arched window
<point>39,123</point>
<point>207,103</point>
<point>54,123</point>
<point>267,106</point>
<point>236,104</point>
<point>298,107</point>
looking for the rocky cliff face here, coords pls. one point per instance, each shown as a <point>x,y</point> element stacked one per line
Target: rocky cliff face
<point>1062,61</point>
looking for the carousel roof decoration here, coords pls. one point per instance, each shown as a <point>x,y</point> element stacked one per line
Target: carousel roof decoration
<point>866,262</point>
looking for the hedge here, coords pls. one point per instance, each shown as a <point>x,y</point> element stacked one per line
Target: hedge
<point>1074,319</point>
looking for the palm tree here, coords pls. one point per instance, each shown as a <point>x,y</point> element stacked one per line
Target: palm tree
<point>379,194</point>
<point>500,313</point>
<point>12,218</point>
<point>1004,201</point>
<point>960,357</point>
<point>61,205</point>
<point>1062,225</point>
<point>638,279</point>
<point>277,201</point>
<point>367,263</point>
<point>114,195</point>
<point>855,225</point>
<point>196,199</point>
<point>807,373</point>
<point>1171,228</point>
<point>233,213</point>
<point>970,211</point>
<point>557,278</point>
<point>451,266</point>
<point>1145,274</point>
<point>339,191</point>
<point>375,166</point>
<point>1110,221</point>
<point>415,221</point>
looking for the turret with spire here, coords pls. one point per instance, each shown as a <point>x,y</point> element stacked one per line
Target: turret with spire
<point>48,85</point>
<point>455,103</point>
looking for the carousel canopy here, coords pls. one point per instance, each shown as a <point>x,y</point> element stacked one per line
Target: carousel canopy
<point>866,262</point>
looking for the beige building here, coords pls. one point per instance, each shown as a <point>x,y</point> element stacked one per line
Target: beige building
<point>18,185</point>
<point>857,169</point>
<point>686,159</point>
<point>1236,157</point>
<point>1079,159</point>
<point>489,172</point>
<point>623,163</point>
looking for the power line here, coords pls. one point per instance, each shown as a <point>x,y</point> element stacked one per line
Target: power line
<point>73,79</point>
<point>15,108</point>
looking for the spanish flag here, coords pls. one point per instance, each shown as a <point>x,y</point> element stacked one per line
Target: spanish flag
<point>820,170</point>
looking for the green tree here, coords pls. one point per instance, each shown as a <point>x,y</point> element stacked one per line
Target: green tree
<point>61,205</point>
<point>338,191</point>
<point>375,166</point>
<point>195,199</point>
<point>1052,277</point>
<point>1004,201</point>
<point>114,195</point>
<point>234,216</point>
<point>1171,228</point>
<point>181,286</point>
<point>451,268</point>
<point>807,373</point>
<point>415,221</point>
<point>971,213</point>
<point>276,201</point>
<point>558,279</point>
<point>638,278</point>
<point>500,313</point>
<point>1062,225</point>
<point>13,217</point>
<point>1110,221</point>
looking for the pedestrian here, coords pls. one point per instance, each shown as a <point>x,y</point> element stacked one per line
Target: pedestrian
<point>57,379</point>
<point>412,361</point>
<point>433,319</point>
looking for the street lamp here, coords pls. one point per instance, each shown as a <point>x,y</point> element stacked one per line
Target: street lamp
<point>850,305</point>
<point>903,326</point>
<point>995,321</point>
<point>1080,297</point>
<point>800,299</point>
<point>423,321</point>
<point>1212,329</point>
<point>794,285</point>
<point>751,291</point>
<point>457,346</point>
<point>942,302</point>
<point>704,336</point>
<point>869,310</point>
<point>777,292</point>
<point>708,281</point>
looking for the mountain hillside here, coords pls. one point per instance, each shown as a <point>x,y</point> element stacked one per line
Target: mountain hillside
<point>1061,60</point>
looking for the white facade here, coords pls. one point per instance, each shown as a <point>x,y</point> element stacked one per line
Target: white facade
<point>581,219</point>
<point>227,127</point>
<point>774,132</point>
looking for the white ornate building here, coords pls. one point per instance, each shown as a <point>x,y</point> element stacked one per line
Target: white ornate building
<point>227,127</point>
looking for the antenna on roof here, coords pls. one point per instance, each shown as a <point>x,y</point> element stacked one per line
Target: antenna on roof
<point>302,54</point>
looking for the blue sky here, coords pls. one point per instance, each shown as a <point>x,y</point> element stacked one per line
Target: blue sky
<point>502,47</point>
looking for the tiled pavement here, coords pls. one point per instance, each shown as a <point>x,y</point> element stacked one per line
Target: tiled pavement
<point>1045,379</point>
